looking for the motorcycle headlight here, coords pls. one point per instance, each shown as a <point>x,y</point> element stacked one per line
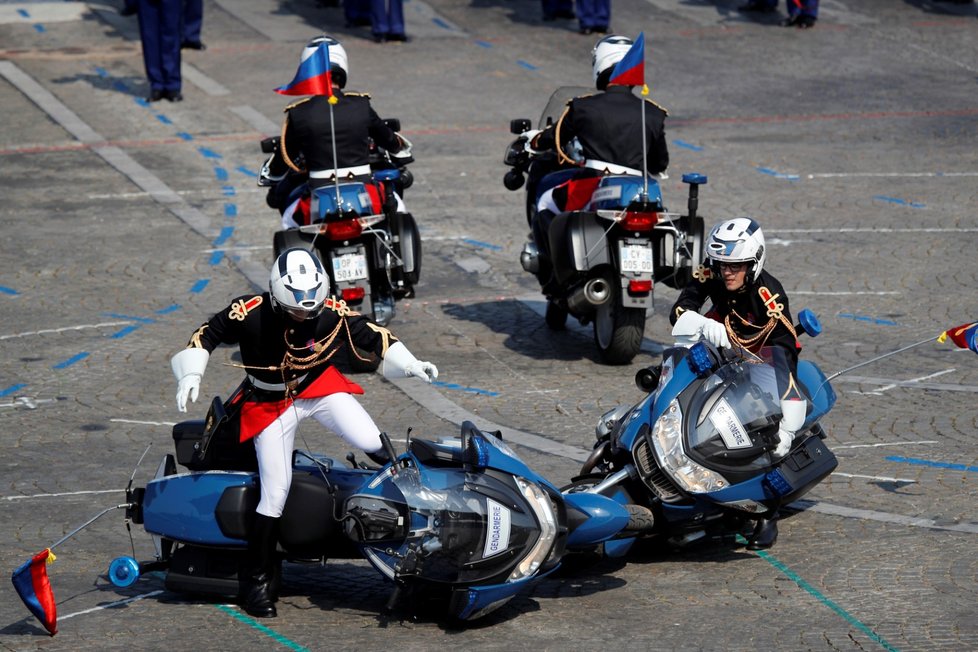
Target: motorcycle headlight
<point>667,438</point>
<point>543,509</point>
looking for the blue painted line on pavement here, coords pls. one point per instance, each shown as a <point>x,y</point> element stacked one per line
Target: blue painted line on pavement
<point>223,236</point>
<point>872,320</point>
<point>685,145</point>
<point>462,388</point>
<point>526,64</point>
<point>5,290</point>
<point>216,257</point>
<point>209,153</point>
<point>776,174</point>
<point>898,201</point>
<point>144,320</point>
<point>24,13</point>
<point>101,72</point>
<point>243,170</point>
<point>483,44</point>
<point>72,360</point>
<point>184,135</point>
<point>199,285</point>
<point>278,638</point>
<point>815,593</point>
<point>230,210</point>
<point>479,243</point>
<point>171,308</point>
<point>229,191</point>
<point>221,174</point>
<point>441,23</point>
<point>120,86</point>
<point>162,118</point>
<point>124,331</point>
<point>39,28</point>
<point>936,465</point>
<point>12,389</point>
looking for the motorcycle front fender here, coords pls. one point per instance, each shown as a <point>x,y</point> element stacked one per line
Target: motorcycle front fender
<point>597,519</point>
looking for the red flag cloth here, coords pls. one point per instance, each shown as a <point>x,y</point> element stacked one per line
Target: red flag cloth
<point>312,77</point>
<point>32,585</point>
<point>630,71</point>
<point>965,336</point>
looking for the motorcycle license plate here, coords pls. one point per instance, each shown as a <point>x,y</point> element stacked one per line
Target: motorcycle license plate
<point>636,258</point>
<point>349,267</point>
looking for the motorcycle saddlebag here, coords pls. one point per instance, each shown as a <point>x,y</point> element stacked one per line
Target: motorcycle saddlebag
<point>804,467</point>
<point>212,443</point>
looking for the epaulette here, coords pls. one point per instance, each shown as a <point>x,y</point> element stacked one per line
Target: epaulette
<point>295,104</point>
<point>702,273</point>
<point>656,105</point>
<point>340,308</point>
<point>355,94</point>
<point>240,308</point>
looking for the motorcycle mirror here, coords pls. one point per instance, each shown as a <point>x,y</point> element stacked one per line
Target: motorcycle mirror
<point>519,125</point>
<point>647,379</point>
<point>393,124</point>
<point>270,145</point>
<point>514,180</point>
<point>808,323</point>
<point>407,178</point>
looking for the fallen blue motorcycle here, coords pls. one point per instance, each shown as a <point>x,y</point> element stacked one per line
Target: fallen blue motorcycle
<point>699,450</point>
<point>462,520</point>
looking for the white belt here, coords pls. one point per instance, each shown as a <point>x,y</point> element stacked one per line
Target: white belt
<point>356,171</point>
<point>611,168</point>
<point>274,387</point>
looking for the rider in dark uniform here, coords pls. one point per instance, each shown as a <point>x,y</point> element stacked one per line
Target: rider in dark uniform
<point>597,135</point>
<point>750,310</point>
<point>287,338</point>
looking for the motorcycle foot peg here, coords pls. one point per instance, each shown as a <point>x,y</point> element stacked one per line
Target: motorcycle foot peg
<point>530,258</point>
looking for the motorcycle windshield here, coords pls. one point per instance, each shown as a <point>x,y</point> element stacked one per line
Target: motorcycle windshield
<point>733,415</point>
<point>558,102</point>
<point>458,527</point>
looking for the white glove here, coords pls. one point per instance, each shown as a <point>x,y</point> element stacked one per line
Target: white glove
<point>693,325</point>
<point>405,151</point>
<point>530,135</point>
<point>401,363</point>
<point>188,368</point>
<point>792,419</point>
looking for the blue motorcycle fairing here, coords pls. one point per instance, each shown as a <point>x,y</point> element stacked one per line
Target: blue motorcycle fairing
<point>605,518</point>
<point>819,390</point>
<point>353,197</point>
<point>618,547</point>
<point>654,405</point>
<point>617,192</point>
<point>480,600</point>
<point>182,506</point>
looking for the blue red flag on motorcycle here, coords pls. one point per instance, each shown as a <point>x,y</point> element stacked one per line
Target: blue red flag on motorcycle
<point>32,585</point>
<point>965,336</point>
<point>312,77</point>
<point>630,71</point>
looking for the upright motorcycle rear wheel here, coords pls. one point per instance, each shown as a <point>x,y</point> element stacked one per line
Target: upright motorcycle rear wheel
<point>618,332</point>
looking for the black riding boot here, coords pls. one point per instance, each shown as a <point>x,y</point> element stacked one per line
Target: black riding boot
<point>256,584</point>
<point>764,535</point>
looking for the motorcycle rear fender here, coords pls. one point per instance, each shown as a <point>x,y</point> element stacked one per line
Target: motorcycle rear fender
<point>578,244</point>
<point>593,518</point>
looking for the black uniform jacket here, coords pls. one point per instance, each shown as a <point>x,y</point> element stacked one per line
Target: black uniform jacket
<point>307,131</point>
<point>609,127</point>
<point>276,349</point>
<point>748,306</point>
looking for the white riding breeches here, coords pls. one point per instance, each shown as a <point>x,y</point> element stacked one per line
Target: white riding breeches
<point>341,413</point>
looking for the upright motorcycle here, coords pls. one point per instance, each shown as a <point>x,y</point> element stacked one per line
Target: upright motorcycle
<point>697,451</point>
<point>371,251</point>
<point>461,520</point>
<point>606,258</point>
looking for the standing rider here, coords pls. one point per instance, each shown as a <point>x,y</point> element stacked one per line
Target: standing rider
<point>750,310</point>
<point>287,338</point>
<point>306,133</point>
<point>597,135</point>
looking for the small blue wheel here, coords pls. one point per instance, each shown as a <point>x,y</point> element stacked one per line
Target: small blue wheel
<point>123,571</point>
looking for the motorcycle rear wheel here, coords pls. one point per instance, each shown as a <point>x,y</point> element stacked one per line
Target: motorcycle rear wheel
<point>618,332</point>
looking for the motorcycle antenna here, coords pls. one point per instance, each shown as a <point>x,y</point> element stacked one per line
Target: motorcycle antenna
<point>331,100</point>
<point>880,357</point>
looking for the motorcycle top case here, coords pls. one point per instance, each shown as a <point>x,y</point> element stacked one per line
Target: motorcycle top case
<point>617,192</point>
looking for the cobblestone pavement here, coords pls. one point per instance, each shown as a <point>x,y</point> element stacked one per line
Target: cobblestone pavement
<point>126,224</point>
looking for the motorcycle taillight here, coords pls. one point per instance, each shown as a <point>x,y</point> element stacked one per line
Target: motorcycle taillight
<point>343,230</point>
<point>639,287</point>
<point>353,294</point>
<point>639,221</point>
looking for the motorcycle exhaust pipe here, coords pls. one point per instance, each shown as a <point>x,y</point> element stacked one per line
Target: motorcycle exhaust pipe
<point>594,293</point>
<point>530,258</point>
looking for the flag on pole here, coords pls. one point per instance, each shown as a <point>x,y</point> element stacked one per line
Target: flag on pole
<point>32,585</point>
<point>312,77</point>
<point>630,71</point>
<point>965,336</point>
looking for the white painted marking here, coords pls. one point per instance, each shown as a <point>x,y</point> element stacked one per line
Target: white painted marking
<point>867,380</point>
<point>117,603</point>
<point>473,265</point>
<point>842,293</point>
<point>47,12</point>
<point>843,175</point>
<point>884,517</point>
<point>845,229</point>
<point>881,478</point>
<point>907,383</point>
<point>61,495</point>
<point>28,402</point>
<point>888,443</point>
<point>47,331</point>
<point>182,193</point>
<point>257,120</point>
<point>168,424</point>
<point>210,86</point>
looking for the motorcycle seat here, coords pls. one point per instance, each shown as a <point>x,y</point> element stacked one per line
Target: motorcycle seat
<point>433,454</point>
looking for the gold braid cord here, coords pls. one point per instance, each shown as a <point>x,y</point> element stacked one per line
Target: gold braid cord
<point>283,149</point>
<point>195,342</point>
<point>561,157</point>
<point>775,314</point>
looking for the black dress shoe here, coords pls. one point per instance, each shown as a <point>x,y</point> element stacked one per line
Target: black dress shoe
<point>585,31</point>
<point>192,45</point>
<point>155,96</point>
<point>756,6</point>
<point>601,29</point>
<point>765,534</point>
<point>380,38</point>
<point>126,11</point>
<point>397,38</point>
<point>565,13</point>
<point>173,96</point>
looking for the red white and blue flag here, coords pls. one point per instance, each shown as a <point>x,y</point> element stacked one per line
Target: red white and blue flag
<point>32,585</point>
<point>630,71</point>
<point>965,336</point>
<point>312,77</point>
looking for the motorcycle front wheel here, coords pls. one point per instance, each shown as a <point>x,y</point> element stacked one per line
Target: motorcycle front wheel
<point>618,332</point>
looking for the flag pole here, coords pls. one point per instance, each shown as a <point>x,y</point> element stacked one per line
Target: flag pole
<point>645,149</point>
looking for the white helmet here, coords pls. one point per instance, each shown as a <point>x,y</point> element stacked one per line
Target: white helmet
<point>339,65</point>
<point>606,53</point>
<point>739,240</point>
<point>298,284</point>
